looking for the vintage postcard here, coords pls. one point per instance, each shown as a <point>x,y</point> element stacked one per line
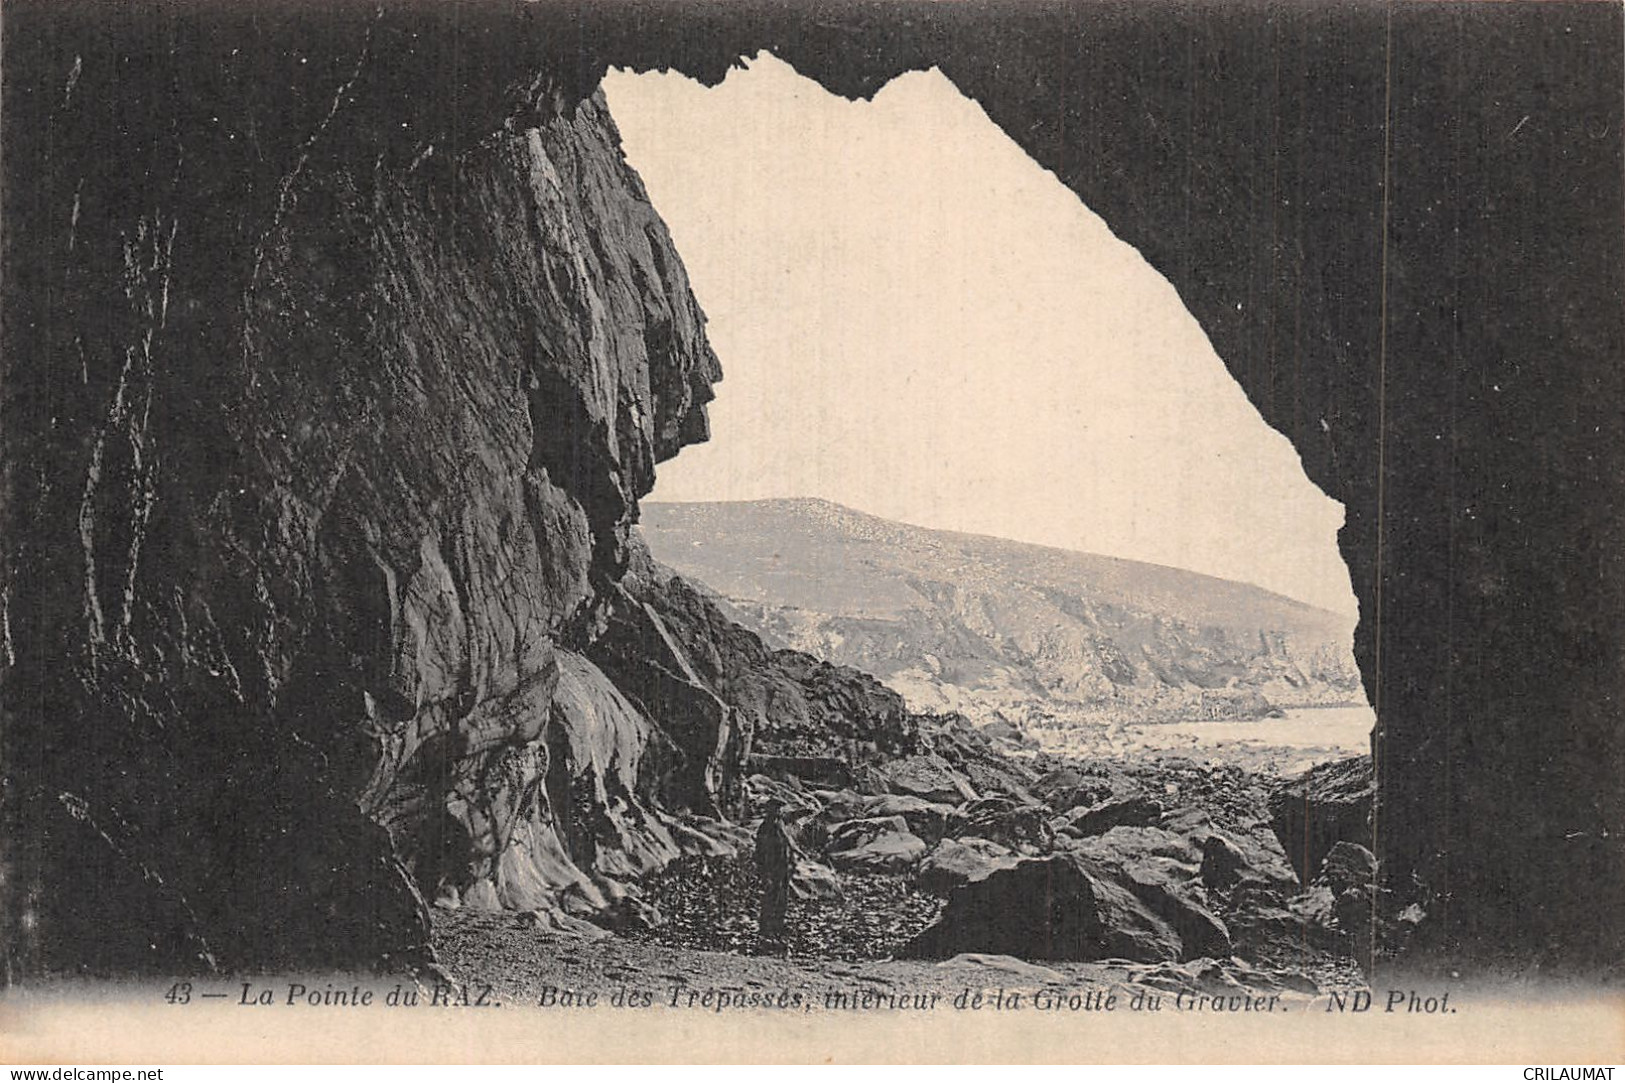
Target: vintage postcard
<point>833,530</point>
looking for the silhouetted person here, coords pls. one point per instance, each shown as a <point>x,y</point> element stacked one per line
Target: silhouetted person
<point>775,862</point>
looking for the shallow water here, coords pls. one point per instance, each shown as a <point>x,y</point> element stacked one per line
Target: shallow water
<point>1347,728</point>
<point>1277,746</point>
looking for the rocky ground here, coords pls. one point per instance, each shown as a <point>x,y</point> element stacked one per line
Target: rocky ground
<point>1164,873</point>
<point>523,965</point>
<point>711,906</point>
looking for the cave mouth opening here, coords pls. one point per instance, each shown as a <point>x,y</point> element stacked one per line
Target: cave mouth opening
<point>923,331</point>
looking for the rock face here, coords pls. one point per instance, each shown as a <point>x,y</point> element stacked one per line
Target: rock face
<point>329,521</point>
<point>1322,807</point>
<point>665,639</point>
<point>1000,630</point>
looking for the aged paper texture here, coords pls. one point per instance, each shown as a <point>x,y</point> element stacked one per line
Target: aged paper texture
<point>812,532</point>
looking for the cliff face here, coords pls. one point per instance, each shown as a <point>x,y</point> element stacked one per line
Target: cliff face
<point>783,702</point>
<point>321,477</point>
<point>995,628</point>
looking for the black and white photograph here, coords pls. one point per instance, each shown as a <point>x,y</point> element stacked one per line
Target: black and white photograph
<point>799,531</point>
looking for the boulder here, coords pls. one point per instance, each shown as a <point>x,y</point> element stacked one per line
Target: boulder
<point>696,843</point>
<point>978,759</point>
<point>629,915</point>
<point>582,899</point>
<point>729,834</point>
<point>1234,857</point>
<point>1349,874</point>
<point>889,851</point>
<point>1222,862</point>
<point>1134,811</point>
<point>1005,820</point>
<point>993,772</point>
<point>813,880</point>
<point>1348,866</point>
<point>928,777</point>
<point>1315,909</point>
<point>854,833</point>
<point>1325,805</point>
<point>842,804</point>
<point>1160,868</point>
<point>926,819</point>
<point>1188,820</point>
<point>1354,912</point>
<point>760,789</point>
<point>1055,788</point>
<point>802,770</point>
<point>1124,847</point>
<point>481,895</point>
<point>1066,788</point>
<point>1066,907</point>
<point>953,862</point>
<point>1001,729</point>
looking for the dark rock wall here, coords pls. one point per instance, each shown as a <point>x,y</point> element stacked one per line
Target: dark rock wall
<point>276,457</point>
<point>1430,309</point>
<point>323,447</point>
<point>785,702</point>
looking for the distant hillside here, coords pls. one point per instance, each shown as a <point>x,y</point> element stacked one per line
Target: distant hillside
<point>1003,629</point>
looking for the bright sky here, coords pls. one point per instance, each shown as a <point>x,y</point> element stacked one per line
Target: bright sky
<point>916,320</point>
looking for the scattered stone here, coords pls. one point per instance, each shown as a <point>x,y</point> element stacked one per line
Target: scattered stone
<point>1222,862</point>
<point>1136,811</point>
<point>926,819</point>
<point>928,777</point>
<point>1006,820</point>
<point>813,880</point>
<point>714,906</point>
<point>1348,865</point>
<point>855,833</point>
<point>890,851</point>
<point>958,861</point>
